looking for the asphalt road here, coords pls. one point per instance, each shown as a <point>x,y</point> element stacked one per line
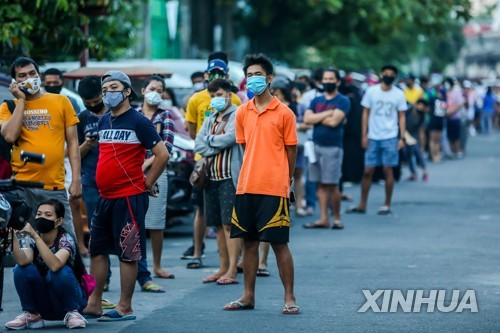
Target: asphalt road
<point>443,235</point>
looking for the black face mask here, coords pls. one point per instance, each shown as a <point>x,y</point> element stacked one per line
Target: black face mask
<point>53,89</point>
<point>96,108</point>
<point>43,225</point>
<point>388,80</point>
<point>330,87</point>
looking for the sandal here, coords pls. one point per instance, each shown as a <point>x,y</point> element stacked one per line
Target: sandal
<point>195,263</point>
<point>153,288</point>
<point>355,210</point>
<point>290,309</point>
<point>263,272</point>
<point>384,210</point>
<point>238,305</point>
<point>107,304</point>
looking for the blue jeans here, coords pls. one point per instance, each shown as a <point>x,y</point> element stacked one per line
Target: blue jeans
<point>143,275</point>
<point>51,296</point>
<point>310,189</point>
<point>414,150</point>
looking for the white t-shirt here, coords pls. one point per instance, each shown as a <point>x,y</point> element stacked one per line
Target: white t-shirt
<point>384,107</point>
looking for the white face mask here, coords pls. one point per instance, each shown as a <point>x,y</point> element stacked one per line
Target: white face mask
<point>167,103</point>
<point>153,98</point>
<point>447,86</point>
<point>31,85</point>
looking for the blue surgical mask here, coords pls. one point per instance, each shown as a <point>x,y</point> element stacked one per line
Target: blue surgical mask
<point>113,98</point>
<point>218,103</point>
<point>257,84</point>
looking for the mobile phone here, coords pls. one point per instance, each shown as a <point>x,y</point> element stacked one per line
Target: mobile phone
<point>94,136</point>
<point>292,197</point>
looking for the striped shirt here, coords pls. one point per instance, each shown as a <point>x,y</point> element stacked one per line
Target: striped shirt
<point>164,120</point>
<point>221,164</point>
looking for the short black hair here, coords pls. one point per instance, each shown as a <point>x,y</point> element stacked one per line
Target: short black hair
<point>391,67</point>
<point>318,74</point>
<point>90,87</point>
<point>422,101</point>
<point>53,71</point>
<point>22,62</point>
<point>218,55</point>
<point>219,84</point>
<point>333,70</point>
<point>197,74</point>
<point>155,77</point>
<point>258,59</point>
<point>58,206</point>
<point>450,80</point>
<point>424,79</point>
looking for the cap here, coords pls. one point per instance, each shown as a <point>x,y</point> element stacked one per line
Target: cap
<point>217,64</point>
<point>280,83</point>
<point>467,84</point>
<point>118,76</point>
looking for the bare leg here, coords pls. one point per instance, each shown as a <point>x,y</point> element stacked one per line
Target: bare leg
<point>298,187</point>
<point>434,146</point>
<point>323,196</point>
<point>366,183</point>
<point>199,232</point>
<point>223,253</point>
<point>250,265</point>
<point>389,185</point>
<point>285,266</point>
<point>99,270</point>
<point>157,246</point>
<point>128,275</point>
<point>336,201</point>
<point>233,250</point>
<point>264,253</point>
<point>76,212</point>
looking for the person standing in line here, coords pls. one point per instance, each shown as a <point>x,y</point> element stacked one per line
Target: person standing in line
<point>266,129</point>
<point>118,223</point>
<point>454,105</point>
<point>216,141</point>
<point>327,113</point>
<point>383,131</point>
<point>197,110</point>
<point>41,123</point>
<point>152,90</point>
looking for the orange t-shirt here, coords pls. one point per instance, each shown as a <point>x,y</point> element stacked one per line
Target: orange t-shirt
<point>265,168</point>
<point>44,132</point>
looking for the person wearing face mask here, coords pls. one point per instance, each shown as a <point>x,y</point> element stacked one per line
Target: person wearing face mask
<point>42,123</point>
<point>48,273</point>
<point>327,113</point>
<point>118,224</point>
<point>266,130</point>
<point>383,129</point>
<point>53,82</point>
<point>152,90</point>
<point>197,110</point>
<point>216,140</point>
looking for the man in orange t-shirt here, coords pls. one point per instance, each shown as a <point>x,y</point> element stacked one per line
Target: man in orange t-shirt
<point>266,129</point>
<point>41,123</point>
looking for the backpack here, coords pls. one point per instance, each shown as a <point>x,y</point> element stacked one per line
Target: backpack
<point>6,148</point>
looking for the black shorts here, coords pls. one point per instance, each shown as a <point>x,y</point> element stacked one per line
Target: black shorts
<point>453,127</point>
<point>118,227</point>
<point>436,123</point>
<point>219,202</point>
<point>259,217</point>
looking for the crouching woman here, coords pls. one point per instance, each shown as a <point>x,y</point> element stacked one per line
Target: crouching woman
<point>44,276</point>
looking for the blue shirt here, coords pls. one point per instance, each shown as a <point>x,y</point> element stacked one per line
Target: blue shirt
<point>325,135</point>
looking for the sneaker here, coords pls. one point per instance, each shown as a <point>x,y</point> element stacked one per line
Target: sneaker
<point>26,320</point>
<point>188,254</point>
<point>74,319</point>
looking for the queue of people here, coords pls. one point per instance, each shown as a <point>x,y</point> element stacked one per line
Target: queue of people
<point>289,145</point>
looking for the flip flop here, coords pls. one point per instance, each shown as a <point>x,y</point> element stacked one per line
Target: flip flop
<point>384,210</point>
<point>355,210</point>
<point>114,315</point>
<point>290,309</point>
<point>263,272</point>
<point>223,281</point>
<point>153,288</point>
<point>338,226</point>
<point>107,304</point>
<point>315,226</point>
<point>168,276</point>
<point>211,278</point>
<point>238,305</point>
<point>91,316</point>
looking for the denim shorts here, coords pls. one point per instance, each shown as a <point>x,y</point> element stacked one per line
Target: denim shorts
<point>382,153</point>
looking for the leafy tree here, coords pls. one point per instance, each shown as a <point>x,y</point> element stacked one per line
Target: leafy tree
<point>51,30</point>
<point>350,34</point>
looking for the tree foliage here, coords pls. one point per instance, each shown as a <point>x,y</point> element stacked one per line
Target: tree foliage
<point>52,29</point>
<point>352,34</point>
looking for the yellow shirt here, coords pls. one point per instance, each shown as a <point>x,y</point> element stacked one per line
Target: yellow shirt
<point>412,95</point>
<point>44,132</point>
<point>199,107</point>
